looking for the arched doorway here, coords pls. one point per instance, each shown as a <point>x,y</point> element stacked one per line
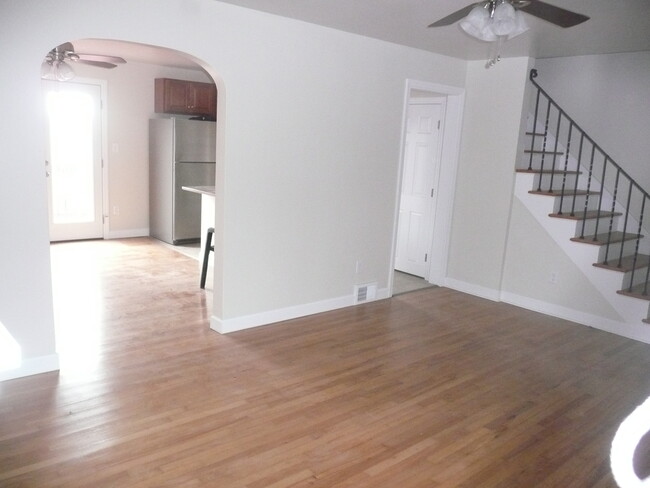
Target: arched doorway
<point>127,106</point>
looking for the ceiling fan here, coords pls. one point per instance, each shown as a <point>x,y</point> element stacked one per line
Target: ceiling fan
<point>500,20</point>
<point>537,8</point>
<point>54,66</point>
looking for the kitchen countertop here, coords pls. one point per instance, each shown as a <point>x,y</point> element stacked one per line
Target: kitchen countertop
<point>203,190</point>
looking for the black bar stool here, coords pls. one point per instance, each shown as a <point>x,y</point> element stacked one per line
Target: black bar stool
<point>206,255</point>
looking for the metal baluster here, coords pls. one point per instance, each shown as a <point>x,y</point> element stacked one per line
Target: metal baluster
<point>611,217</point>
<point>591,170</point>
<point>575,186</point>
<point>627,214</point>
<point>532,143</point>
<point>647,278</point>
<point>541,169</point>
<point>566,167</point>
<point>600,200</point>
<point>638,241</point>
<point>557,138</point>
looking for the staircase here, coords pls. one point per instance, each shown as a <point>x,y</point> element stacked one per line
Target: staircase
<point>590,206</point>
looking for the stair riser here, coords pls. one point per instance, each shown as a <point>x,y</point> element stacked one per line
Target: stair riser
<point>590,226</point>
<point>615,251</point>
<point>555,181</point>
<point>640,276</point>
<point>568,203</point>
<point>550,160</point>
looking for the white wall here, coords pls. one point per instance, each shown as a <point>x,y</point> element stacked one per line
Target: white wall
<point>532,256</point>
<point>129,105</point>
<point>310,119</point>
<point>317,185</point>
<point>609,97</point>
<point>489,149</point>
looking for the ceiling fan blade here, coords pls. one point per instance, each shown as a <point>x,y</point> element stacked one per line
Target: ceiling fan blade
<point>553,14</point>
<point>97,64</point>
<point>102,58</point>
<point>456,16</point>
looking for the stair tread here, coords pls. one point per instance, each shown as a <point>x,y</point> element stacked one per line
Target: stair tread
<point>547,171</point>
<point>627,263</point>
<point>558,193</point>
<point>601,239</point>
<point>539,151</point>
<point>636,292</point>
<point>590,214</point>
<point>535,134</point>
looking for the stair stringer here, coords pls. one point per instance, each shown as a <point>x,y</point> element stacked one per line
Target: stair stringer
<point>606,282</point>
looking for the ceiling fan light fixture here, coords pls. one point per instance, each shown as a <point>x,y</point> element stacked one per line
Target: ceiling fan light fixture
<point>477,24</point>
<point>504,19</point>
<point>46,71</point>
<point>63,71</point>
<point>54,69</point>
<point>492,19</point>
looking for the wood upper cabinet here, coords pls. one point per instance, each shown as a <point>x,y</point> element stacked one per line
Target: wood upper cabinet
<point>185,97</point>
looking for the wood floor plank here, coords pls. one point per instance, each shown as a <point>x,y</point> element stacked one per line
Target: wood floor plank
<point>433,388</point>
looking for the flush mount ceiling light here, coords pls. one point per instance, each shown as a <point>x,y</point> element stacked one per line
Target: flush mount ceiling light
<point>500,20</point>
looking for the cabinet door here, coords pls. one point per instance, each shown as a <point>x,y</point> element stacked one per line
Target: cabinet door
<point>202,98</point>
<point>176,94</point>
<point>185,97</point>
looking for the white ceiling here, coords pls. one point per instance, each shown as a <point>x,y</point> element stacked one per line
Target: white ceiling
<point>615,26</point>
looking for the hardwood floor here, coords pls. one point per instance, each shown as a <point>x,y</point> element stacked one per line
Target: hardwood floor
<point>433,388</point>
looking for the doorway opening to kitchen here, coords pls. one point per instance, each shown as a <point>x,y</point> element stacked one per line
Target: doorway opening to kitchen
<point>87,122</point>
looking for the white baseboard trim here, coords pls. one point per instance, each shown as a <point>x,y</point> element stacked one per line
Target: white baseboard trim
<point>273,316</point>
<point>473,289</point>
<point>32,366</point>
<point>639,332</point>
<point>125,234</point>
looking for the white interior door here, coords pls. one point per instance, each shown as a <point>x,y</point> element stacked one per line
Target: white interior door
<point>74,160</point>
<point>421,159</point>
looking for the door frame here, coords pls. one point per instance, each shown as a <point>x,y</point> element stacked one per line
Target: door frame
<point>446,176</point>
<point>103,135</point>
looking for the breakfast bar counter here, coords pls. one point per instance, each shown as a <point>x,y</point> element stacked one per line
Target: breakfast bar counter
<point>207,220</point>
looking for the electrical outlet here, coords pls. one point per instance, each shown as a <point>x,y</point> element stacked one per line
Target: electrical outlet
<point>357,267</point>
<point>553,278</point>
<point>116,210</point>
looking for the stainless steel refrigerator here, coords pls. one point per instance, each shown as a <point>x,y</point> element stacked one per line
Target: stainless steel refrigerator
<point>181,153</point>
